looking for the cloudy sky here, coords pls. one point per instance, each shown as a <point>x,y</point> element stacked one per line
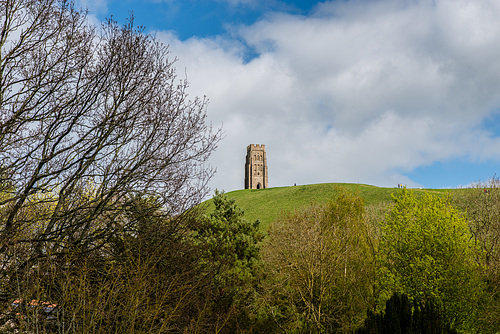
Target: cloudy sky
<point>364,91</point>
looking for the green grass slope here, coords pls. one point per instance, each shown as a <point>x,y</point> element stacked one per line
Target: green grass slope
<point>267,204</point>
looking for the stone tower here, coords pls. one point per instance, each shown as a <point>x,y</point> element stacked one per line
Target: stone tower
<point>256,167</point>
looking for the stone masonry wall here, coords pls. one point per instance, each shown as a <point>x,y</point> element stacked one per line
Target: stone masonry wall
<point>256,175</point>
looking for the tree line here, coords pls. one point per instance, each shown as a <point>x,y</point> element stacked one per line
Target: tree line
<point>103,165</point>
<point>421,264</point>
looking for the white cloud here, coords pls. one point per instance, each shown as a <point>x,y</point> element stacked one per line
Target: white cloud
<point>357,92</point>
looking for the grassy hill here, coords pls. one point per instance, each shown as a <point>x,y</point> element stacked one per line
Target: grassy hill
<point>267,204</point>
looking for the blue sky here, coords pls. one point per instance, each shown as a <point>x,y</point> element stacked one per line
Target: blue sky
<point>195,18</point>
<point>371,91</point>
<point>198,18</point>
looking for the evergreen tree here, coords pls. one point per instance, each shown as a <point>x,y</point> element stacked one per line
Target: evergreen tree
<point>403,317</point>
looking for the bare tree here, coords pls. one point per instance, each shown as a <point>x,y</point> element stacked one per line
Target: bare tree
<point>481,204</point>
<point>89,120</point>
<point>321,260</point>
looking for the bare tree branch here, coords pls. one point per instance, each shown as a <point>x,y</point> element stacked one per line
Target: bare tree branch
<point>88,122</point>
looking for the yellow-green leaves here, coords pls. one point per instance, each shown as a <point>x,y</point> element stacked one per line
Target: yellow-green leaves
<point>427,252</point>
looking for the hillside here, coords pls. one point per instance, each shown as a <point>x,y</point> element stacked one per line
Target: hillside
<point>267,204</point>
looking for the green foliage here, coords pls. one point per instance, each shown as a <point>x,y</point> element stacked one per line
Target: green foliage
<point>230,258</point>
<point>426,252</point>
<point>225,232</point>
<point>142,280</point>
<point>319,264</point>
<point>185,273</point>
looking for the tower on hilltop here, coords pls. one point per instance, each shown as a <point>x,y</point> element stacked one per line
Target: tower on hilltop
<point>256,167</point>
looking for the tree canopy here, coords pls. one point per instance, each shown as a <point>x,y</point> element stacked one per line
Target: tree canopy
<point>323,263</point>
<point>426,252</point>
